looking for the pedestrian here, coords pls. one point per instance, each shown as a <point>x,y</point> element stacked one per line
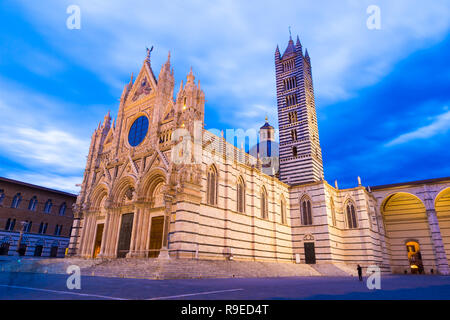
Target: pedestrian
<point>359,272</point>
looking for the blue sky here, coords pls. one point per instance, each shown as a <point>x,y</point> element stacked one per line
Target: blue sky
<point>382,96</point>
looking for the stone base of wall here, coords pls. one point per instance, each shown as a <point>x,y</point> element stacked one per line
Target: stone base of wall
<point>178,268</point>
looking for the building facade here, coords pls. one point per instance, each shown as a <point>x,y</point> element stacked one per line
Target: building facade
<point>34,221</point>
<point>157,184</point>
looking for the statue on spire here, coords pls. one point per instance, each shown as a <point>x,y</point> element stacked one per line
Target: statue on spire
<point>149,51</point>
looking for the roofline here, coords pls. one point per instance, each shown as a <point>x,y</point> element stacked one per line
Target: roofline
<point>37,187</point>
<point>417,182</point>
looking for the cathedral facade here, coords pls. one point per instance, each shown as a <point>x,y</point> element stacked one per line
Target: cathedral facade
<point>158,185</point>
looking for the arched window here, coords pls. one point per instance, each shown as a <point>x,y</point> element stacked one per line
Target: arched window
<point>10,224</point>
<point>306,212</point>
<point>240,196</point>
<point>212,186</point>
<point>62,209</point>
<point>283,210</point>
<point>2,196</point>
<point>333,213</point>
<point>32,204</point>
<point>48,206</point>
<point>351,215</point>
<point>16,201</point>
<point>264,204</point>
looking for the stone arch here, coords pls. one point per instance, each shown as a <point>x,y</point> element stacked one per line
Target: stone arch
<point>150,181</point>
<point>98,196</point>
<point>212,184</point>
<point>351,216</point>
<point>306,211</point>
<point>442,206</point>
<point>123,188</point>
<point>240,194</point>
<point>404,216</point>
<point>264,202</point>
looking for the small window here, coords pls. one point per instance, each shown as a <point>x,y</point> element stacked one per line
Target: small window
<point>32,204</point>
<point>48,206</point>
<point>28,226</point>
<point>62,209</point>
<point>283,211</point>
<point>351,216</point>
<point>240,196</point>
<point>16,201</point>
<point>306,212</point>
<point>333,213</point>
<point>212,186</point>
<point>58,229</point>
<point>43,228</point>
<point>294,151</point>
<point>264,204</point>
<point>10,224</point>
<point>2,196</point>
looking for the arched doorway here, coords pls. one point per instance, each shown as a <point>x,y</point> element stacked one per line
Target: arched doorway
<point>98,239</point>
<point>405,218</point>
<point>414,257</point>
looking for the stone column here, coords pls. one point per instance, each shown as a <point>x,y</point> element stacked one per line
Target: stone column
<point>436,237</point>
<point>438,245</point>
<point>85,237</point>
<point>164,252</point>
<point>131,253</point>
<point>105,235</point>
<point>74,243</point>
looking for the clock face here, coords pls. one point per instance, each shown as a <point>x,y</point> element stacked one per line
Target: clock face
<point>138,131</point>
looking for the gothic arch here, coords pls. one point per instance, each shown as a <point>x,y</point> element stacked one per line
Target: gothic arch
<point>122,188</point>
<point>97,196</point>
<point>152,180</point>
<point>306,215</point>
<point>351,216</point>
<point>240,194</point>
<point>264,206</point>
<point>212,184</point>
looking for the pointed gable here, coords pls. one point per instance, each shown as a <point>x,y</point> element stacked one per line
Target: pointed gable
<point>290,50</point>
<point>145,83</point>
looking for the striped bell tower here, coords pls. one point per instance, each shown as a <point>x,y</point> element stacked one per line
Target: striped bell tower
<point>300,153</point>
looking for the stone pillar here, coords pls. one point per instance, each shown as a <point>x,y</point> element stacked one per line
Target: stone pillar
<point>74,242</point>
<point>105,235</point>
<point>131,253</point>
<point>436,237</point>
<point>164,252</point>
<point>438,245</point>
<point>144,233</point>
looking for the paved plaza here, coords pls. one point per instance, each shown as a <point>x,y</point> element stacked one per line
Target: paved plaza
<point>52,286</point>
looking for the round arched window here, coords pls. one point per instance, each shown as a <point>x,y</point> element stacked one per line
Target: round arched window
<point>138,131</point>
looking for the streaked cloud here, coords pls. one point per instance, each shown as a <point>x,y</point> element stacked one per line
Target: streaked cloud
<point>439,125</point>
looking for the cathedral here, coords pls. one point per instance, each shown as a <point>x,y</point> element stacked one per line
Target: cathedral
<point>157,184</point>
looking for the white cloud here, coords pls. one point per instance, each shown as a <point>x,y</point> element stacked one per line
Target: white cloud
<point>48,180</point>
<point>47,147</point>
<point>440,124</point>
<point>231,43</point>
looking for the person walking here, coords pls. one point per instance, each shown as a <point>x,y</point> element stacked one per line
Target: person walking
<point>359,272</point>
